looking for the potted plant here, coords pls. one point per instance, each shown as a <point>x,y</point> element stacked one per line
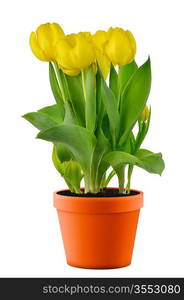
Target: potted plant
<point>97,128</point>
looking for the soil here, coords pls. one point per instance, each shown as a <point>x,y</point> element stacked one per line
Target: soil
<point>105,193</point>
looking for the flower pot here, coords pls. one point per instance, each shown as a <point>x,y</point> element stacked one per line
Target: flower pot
<point>98,233</point>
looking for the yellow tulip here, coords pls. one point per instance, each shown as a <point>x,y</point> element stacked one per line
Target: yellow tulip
<point>145,114</point>
<point>99,40</point>
<point>43,41</point>
<point>120,47</point>
<point>75,53</point>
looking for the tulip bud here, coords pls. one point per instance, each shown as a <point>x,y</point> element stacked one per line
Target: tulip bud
<point>43,41</point>
<point>99,39</point>
<point>145,114</point>
<point>120,47</point>
<point>75,53</point>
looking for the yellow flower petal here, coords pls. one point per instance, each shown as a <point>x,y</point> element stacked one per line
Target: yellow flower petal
<point>75,52</point>
<point>86,34</point>
<point>104,63</point>
<point>132,42</point>
<point>83,52</point>
<point>38,52</point>
<point>120,47</point>
<point>44,41</point>
<point>57,32</point>
<point>63,53</point>
<point>99,39</point>
<point>145,114</point>
<point>71,72</point>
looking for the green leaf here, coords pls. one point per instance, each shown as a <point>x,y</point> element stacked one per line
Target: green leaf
<point>62,152</point>
<point>77,96</point>
<point>106,127</point>
<point>118,158</point>
<point>134,99</point>
<point>132,142</point>
<point>54,112</point>
<point>70,117</point>
<point>45,117</point>
<point>128,145</point>
<point>73,174</point>
<point>113,81</point>
<point>64,84</point>
<point>111,107</point>
<point>102,146</point>
<point>124,75</point>
<point>110,176</point>
<point>56,161</point>
<point>101,173</point>
<point>40,120</point>
<point>70,113</point>
<point>77,139</point>
<point>54,86</point>
<point>99,103</point>
<point>153,162</point>
<point>69,169</point>
<point>90,107</point>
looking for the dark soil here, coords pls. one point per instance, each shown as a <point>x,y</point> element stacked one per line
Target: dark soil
<point>105,193</point>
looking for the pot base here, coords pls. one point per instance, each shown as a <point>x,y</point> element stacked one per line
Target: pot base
<point>98,268</point>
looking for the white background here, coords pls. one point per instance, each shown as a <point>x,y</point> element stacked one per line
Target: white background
<point>30,241</point>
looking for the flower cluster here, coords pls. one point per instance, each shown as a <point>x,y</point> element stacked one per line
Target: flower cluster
<point>76,52</point>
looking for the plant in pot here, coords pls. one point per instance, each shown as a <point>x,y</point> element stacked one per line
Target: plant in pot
<point>97,128</point>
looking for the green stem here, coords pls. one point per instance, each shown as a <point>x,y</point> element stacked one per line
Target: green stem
<point>59,81</point>
<point>103,182</point>
<point>77,190</point>
<point>86,183</point>
<point>90,185</point>
<point>120,171</point>
<point>93,186</point>
<point>83,75</point>
<point>93,189</point>
<point>107,180</point>
<point>130,170</point>
<point>119,86</point>
<point>83,84</point>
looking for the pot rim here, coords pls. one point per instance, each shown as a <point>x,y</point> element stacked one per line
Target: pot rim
<point>98,205</point>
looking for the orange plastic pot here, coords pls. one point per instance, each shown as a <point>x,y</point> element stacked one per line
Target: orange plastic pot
<point>98,233</point>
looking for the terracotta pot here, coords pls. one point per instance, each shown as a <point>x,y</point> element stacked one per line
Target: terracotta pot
<point>98,233</point>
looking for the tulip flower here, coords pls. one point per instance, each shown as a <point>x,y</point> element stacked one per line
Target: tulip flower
<point>99,40</point>
<point>120,47</point>
<point>145,114</point>
<point>75,53</point>
<point>43,41</point>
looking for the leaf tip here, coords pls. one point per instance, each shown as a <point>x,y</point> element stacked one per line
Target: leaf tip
<point>24,116</point>
<point>38,136</point>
